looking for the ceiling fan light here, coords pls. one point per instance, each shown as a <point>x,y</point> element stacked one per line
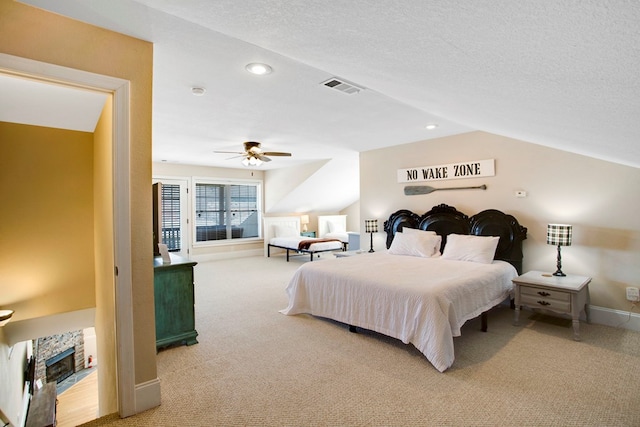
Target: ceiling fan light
<point>258,68</point>
<point>245,161</point>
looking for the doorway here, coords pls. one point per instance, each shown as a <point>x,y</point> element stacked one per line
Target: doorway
<point>117,350</point>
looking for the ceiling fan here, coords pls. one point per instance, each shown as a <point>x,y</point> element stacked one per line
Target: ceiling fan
<point>253,154</point>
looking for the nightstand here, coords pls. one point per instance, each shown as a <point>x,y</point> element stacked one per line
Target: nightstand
<point>308,233</point>
<point>560,294</point>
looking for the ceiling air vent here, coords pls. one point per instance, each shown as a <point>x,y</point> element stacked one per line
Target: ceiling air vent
<point>342,86</point>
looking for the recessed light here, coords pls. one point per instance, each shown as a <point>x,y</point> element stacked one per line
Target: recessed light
<point>431,126</point>
<point>259,69</point>
<point>198,91</point>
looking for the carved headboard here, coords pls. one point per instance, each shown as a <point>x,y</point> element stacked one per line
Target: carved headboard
<point>444,220</point>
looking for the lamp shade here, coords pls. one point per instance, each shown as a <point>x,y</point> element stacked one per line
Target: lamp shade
<point>559,234</point>
<point>5,316</point>
<point>304,219</point>
<point>371,225</point>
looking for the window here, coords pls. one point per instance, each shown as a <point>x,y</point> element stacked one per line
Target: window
<point>226,211</point>
<point>171,215</point>
<point>170,197</point>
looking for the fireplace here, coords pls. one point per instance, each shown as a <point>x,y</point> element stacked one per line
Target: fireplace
<point>61,366</point>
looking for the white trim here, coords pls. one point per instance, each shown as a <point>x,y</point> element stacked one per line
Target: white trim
<point>607,317</point>
<point>122,220</point>
<point>615,318</point>
<point>147,395</point>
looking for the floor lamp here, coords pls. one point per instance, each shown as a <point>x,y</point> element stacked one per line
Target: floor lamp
<point>371,226</point>
<point>559,235</point>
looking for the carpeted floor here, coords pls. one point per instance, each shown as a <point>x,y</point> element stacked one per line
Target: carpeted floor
<point>256,367</point>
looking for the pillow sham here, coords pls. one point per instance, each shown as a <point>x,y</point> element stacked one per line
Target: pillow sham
<point>285,231</point>
<point>416,244</point>
<point>335,227</point>
<point>480,249</point>
<point>416,231</point>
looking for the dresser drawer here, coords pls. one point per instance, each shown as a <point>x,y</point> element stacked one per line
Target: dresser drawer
<point>546,303</point>
<point>544,293</point>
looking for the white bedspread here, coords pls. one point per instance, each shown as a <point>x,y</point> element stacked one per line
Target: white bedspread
<point>292,243</point>
<point>423,301</point>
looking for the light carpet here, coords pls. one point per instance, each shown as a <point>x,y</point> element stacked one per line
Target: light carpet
<point>256,367</point>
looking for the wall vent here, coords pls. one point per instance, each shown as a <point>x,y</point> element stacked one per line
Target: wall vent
<point>342,86</point>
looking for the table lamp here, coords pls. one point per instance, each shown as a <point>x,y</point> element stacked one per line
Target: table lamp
<point>559,235</point>
<point>371,226</point>
<point>304,220</point>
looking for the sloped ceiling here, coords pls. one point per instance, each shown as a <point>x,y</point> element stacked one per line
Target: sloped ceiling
<point>560,74</point>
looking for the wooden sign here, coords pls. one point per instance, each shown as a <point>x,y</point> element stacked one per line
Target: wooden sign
<point>473,169</point>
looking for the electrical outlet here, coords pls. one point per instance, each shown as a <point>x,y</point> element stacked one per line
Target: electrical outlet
<point>633,294</point>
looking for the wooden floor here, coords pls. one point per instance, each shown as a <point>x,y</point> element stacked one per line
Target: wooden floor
<point>79,403</point>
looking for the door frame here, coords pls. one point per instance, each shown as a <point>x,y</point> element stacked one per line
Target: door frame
<point>120,90</point>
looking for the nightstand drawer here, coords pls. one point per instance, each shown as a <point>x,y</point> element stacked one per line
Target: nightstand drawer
<point>545,302</point>
<point>544,293</point>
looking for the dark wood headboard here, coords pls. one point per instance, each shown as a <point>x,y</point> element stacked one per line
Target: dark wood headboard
<point>445,220</point>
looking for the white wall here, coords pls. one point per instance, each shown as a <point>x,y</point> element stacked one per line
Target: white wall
<point>14,359</point>
<point>601,200</point>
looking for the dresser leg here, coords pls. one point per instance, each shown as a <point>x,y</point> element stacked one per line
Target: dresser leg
<point>576,329</point>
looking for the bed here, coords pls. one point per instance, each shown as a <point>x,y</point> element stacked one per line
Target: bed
<point>334,227</point>
<point>283,233</point>
<point>440,270</point>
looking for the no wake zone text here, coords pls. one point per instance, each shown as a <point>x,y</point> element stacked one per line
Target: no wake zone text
<point>451,171</point>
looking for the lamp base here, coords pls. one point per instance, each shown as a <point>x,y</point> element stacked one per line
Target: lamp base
<point>559,272</point>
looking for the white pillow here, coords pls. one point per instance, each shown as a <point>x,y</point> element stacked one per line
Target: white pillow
<point>416,244</point>
<point>285,231</point>
<point>335,228</point>
<point>470,248</point>
<point>416,231</point>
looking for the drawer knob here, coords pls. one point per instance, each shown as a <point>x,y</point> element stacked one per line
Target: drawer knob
<point>544,303</point>
<point>544,294</point>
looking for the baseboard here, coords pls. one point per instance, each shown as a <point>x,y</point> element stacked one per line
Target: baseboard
<point>226,255</point>
<point>147,395</point>
<point>615,318</point>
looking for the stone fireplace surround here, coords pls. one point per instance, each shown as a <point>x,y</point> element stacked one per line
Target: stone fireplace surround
<point>47,348</point>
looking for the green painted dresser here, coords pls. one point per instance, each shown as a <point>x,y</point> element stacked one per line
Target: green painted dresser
<point>174,300</point>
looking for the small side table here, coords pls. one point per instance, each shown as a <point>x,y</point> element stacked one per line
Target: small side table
<point>560,294</point>
<point>308,233</point>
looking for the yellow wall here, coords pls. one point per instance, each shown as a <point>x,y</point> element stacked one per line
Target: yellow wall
<point>42,36</point>
<point>599,198</point>
<point>104,259</point>
<point>46,183</point>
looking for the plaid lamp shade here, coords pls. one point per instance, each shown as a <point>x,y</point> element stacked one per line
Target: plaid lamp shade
<point>559,234</point>
<point>370,225</point>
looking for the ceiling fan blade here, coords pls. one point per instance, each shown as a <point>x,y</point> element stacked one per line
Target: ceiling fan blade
<point>262,157</point>
<point>228,152</point>
<point>276,153</point>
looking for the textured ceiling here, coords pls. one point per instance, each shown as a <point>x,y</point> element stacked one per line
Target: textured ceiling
<point>561,74</point>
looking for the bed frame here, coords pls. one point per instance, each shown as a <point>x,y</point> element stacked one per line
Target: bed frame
<point>287,221</point>
<point>445,220</point>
